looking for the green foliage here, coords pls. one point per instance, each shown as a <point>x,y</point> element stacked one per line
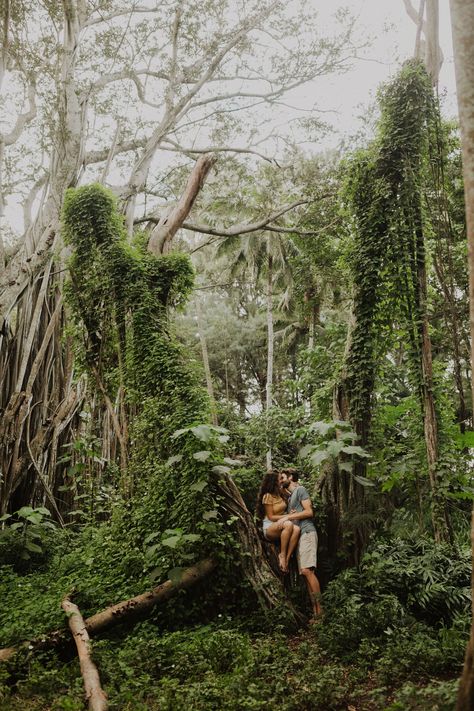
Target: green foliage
<point>403,611</point>
<point>122,295</point>
<point>25,536</point>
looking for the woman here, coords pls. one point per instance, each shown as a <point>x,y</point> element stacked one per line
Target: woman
<point>271,510</point>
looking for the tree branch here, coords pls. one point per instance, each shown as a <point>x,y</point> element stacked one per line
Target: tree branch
<point>23,119</point>
<point>167,227</point>
<point>242,228</point>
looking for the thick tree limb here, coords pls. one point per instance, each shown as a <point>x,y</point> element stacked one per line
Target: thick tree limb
<point>95,696</point>
<point>124,611</point>
<point>169,225</point>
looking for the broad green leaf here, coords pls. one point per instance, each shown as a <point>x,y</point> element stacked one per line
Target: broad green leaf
<point>202,456</point>
<point>172,460</point>
<point>33,547</point>
<point>151,537</point>
<point>171,542</point>
<point>199,485</point>
<point>156,573</point>
<point>345,466</point>
<point>304,451</point>
<point>334,447</point>
<point>219,469</point>
<point>5,517</point>
<point>207,515</point>
<point>232,462</point>
<point>176,575</point>
<point>348,435</point>
<point>178,433</point>
<point>150,552</point>
<point>321,428</point>
<point>354,449</point>
<point>363,480</point>
<point>191,537</point>
<point>24,511</point>
<point>202,432</point>
<point>319,457</point>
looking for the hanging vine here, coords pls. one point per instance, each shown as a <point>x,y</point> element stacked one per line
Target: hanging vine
<point>385,194</point>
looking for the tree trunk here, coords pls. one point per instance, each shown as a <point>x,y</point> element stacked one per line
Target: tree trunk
<point>97,700</point>
<point>124,611</point>
<point>207,367</point>
<point>255,566</point>
<point>462,20</point>
<point>270,343</point>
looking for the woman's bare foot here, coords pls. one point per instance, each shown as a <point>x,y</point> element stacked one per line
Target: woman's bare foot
<point>282,563</point>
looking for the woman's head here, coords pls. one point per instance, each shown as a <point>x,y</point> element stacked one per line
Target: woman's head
<point>270,485</point>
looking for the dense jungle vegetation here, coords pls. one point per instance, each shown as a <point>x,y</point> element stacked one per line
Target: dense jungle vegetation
<point>164,366</point>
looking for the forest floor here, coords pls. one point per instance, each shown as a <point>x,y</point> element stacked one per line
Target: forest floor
<point>221,668</point>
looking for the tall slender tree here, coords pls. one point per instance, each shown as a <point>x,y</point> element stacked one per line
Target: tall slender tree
<point>462,20</point>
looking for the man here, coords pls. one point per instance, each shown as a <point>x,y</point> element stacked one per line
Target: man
<point>301,511</point>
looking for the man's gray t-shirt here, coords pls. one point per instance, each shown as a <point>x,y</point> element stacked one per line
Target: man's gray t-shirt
<point>300,494</point>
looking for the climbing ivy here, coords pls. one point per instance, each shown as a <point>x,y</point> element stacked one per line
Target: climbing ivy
<point>384,194</point>
<point>121,298</point>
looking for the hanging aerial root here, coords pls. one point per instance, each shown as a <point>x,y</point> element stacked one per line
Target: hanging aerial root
<point>136,607</point>
<point>95,695</point>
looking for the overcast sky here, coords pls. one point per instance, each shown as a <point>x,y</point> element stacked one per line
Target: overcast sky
<point>393,34</point>
<point>345,99</point>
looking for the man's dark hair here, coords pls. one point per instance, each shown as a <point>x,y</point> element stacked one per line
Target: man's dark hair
<point>291,472</point>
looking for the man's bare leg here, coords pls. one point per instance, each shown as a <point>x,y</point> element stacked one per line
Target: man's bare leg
<point>314,590</point>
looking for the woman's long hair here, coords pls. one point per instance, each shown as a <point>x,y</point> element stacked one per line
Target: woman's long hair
<point>270,485</point>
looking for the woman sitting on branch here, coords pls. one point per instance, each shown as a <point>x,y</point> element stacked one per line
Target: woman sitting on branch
<point>271,511</point>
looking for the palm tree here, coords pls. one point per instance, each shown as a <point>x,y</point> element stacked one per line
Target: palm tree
<point>262,253</point>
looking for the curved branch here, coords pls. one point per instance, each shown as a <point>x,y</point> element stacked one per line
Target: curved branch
<point>243,228</point>
<point>23,119</point>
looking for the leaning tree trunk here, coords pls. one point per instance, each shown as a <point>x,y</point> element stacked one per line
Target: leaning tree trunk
<point>462,18</point>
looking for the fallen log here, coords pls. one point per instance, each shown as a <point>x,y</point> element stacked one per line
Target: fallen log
<point>123,611</point>
<point>95,696</point>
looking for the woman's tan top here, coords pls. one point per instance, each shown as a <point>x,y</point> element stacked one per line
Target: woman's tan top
<point>279,504</point>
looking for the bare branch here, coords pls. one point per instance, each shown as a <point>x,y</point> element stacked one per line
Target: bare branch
<point>119,13</point>
<point>23,119</point>
<point>174,147</point>
<point>168,226</point>
<point>99,156</point>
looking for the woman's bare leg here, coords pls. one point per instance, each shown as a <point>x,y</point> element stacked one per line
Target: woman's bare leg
<point>284,541</point>
<point>295,534</point>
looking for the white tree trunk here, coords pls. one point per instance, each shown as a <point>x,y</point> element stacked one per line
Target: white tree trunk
<point>270,339</point>
<point>462,20</point>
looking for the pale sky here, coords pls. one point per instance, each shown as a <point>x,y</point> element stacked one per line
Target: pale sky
<point>393,34</point>
<point>345,99</point>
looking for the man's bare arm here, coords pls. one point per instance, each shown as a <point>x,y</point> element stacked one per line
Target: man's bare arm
<point>306,513</point>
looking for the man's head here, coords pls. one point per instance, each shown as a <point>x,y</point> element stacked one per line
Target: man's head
<point>289,477</point>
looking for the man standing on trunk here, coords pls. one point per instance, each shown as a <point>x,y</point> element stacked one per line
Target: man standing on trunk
<point>301,511</point>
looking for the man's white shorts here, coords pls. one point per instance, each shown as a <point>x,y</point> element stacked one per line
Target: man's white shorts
<point>307,554</point>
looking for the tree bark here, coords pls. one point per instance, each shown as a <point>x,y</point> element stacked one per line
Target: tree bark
<point>270,343</point>
<point>462,21</point>
<point>95,696</point>
<point>167,227</point>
